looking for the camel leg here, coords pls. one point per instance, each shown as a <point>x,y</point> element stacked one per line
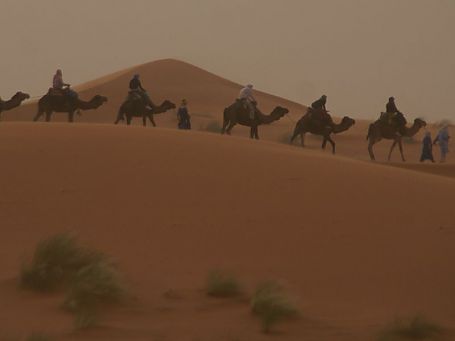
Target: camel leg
<point>256,132</point>
<point>370,150</point>
<point>391,148</point>
<point>302,139</point>
<point>400,145</point>
<point>48,116</point>
<point>252,133</point>
<point>119,117</point>
<point>144,120</point>
<point>38,116</point>
<point>332,143</point>
<point>152,120</point>
<point>71,116</point>
<point>128,119</point>
<point>225,124</point>
<point>229,129</point>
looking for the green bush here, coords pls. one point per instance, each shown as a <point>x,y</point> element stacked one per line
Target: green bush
<point>222,285</point>
<point>415,329</point>
<point>271,305</point>
<point>55,262</point>
<point>93,287</point>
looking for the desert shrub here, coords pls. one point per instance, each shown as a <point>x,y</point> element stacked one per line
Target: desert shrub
<point>222,285</point>
<point>93,287</point>
<point>271,305</point>
<point>213,127</point>
<point>55,262</point>
<point>38,337</point>
<point>417,328</point>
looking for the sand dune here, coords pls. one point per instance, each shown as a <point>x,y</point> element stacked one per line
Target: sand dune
<point>357,244</point>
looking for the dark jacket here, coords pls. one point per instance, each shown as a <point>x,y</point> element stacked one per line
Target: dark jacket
<point>391,107</point>
<point>135,84</point>
<point>319,104</point>
<point>184,118</point>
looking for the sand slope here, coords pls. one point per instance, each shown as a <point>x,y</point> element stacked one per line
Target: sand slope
<point>356,244</point>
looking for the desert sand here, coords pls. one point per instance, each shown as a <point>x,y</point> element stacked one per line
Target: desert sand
<point>356,244</point>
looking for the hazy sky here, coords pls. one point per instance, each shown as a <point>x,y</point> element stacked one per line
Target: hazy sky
<point>358,52</point>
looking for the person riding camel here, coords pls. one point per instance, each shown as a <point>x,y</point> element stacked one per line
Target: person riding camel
<point>319,108</point>
<point>391,110</point>
<point>136,86</point>
<point>59,86</point>
<point>248,100</point>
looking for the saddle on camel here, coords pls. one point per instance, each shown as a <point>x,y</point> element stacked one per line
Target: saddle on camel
<point>318,113</point>
<point>62,89</point>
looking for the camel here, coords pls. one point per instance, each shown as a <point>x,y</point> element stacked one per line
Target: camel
<point>316,127</point>
<point>237,113</point>
<point>137,108</point>
<point>14,102</point>
<point>381,130</point>
<point>66,104</point>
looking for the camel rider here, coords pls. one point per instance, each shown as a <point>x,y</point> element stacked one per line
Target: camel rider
<point>136,86</point>
<point>247,98</point>
<point>60,86</point>
<point>319,107</point>
<point>391,110</point>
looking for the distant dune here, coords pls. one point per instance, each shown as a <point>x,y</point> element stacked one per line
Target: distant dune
<point>356,244</point>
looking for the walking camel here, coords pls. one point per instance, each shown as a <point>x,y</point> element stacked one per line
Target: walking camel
<point>382,130</point>
<point>237,113</point>
<point>307,124</point>
<point>49,104</point>
<point>136,107</point>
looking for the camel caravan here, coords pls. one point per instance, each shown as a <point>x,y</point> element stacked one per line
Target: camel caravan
<point>391,124</point>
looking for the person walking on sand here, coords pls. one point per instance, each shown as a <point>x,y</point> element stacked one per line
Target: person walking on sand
<point>183,116</point>
<point>443,140</point>
<point>427,148</point>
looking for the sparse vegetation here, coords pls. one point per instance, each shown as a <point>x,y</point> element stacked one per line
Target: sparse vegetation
<point>92,282</point>
<point>271,305</point>
<point>56,260</point>
<point>94,287</point>
<point>417,328</point>
<point>222,285</point>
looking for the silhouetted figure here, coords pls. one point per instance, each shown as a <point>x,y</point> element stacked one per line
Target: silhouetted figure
<point>59,87</point>
<point>183,116</point>
<point>136,86</point>
<point>248,100</point>
<point>427,148</point>
<point>442,139</point>
<point>319,111</point>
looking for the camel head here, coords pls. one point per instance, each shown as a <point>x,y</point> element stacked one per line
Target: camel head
<point>420,123</point>
<point>22,96</point>
<point>279,112</point>
<point>347,121</point>
<point>167,105</point>
<point>99,100</point>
